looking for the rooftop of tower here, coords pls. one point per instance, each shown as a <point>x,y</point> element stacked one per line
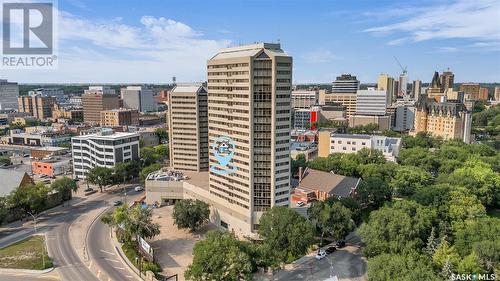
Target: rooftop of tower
<point>272,49</point>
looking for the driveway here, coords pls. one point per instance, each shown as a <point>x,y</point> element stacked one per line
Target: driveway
<point>347,263</point>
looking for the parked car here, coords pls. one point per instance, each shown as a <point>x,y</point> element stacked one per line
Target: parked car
<point>330,250</point>
<point>117,203</point>
<point>320,254</point>
<point>89,191</point>
<point>301,204</point>
<point>139,188</point>
<point>340,244</point>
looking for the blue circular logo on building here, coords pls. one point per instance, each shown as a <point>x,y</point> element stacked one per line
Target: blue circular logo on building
<point>223,149</point>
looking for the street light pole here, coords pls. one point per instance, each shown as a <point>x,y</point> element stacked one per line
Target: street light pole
<point>42,240</point>
<point>34,219</point>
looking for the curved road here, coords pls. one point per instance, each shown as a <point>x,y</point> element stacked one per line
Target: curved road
<point>68,264</point>
<point>102,252</point>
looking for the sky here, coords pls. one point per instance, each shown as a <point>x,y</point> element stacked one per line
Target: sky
<point>149,41</point>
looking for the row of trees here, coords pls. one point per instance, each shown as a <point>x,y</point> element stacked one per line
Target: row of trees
<point>285,236</point>
<point>33,198</point>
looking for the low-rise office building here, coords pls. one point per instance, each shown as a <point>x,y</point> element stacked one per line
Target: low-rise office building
<point>104,149</point>
<point>38,106</point>
<point>51,167</point>
<point>45,138</point>
<point>382,122</point>
<point>351,143</point>
<point>308,149</point>
<point>119,117</point>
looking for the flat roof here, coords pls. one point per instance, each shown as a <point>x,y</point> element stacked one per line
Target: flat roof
<point>50,148</point>
<point>116,135</point>
<point>199,179</point>
<point>351,136</point>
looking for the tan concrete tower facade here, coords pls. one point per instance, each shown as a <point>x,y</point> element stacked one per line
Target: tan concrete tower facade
<point>249,95</point>
<point>188,127</point>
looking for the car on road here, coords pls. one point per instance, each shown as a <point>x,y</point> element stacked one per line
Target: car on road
<point>139,188</point>
<point>117,203</point>
<point>301,204</point>
<point>88,189</point>
<point>330,250</point>
<point>26,155</point>
<point>340,244</point>
<point>320,254</point>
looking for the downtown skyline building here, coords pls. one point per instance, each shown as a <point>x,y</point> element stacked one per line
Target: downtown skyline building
<point>247,103</point>
<point>249,96</point>
<point>188,127</point>
<point>9,92</point>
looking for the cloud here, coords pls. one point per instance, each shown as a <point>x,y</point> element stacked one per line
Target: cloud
<point>447,49</point>
<point>463,19</point>
<point>153,50</point>
<point>318,56</point>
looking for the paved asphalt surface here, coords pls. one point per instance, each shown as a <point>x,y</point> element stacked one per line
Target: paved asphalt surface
<point>102,252</point>
<point>67,262</point>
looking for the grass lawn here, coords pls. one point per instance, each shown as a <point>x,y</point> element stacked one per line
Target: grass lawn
<point>25,254</point>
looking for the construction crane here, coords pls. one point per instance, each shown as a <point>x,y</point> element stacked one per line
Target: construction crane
<point>402,68</point>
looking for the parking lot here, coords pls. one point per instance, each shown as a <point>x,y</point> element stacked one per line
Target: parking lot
<point>346,263</point>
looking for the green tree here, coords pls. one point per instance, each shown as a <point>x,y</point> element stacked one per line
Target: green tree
<point>120,173</point>
<point>101,176</point>
<point>3,209</point>
<point>162,134</point>
<point>192,214</point>
<point>30,198</point>
<point>141,222</point>
<point>480,179</point>
<point>370,156</point>
<point>147,170</point>
<point>300,161</point>
<point>418,157</point>
<point>149,156</point>
<point>220,257</point>
<point>374,192</point>
<point>384,171</point>
<point>480,236</point>
<point>399,228</point>
<point>334,219</point>
<point>406,267</point>
<point>133,222</point>
<point>286,235</point>
<point>64,186</point>
<point>435,196</point>
<point>162,151</point>
<point>5,161</point>
<point>445,253</point>
<point>408,180</point>
<point>421,140</point>
<point>463,206</point>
